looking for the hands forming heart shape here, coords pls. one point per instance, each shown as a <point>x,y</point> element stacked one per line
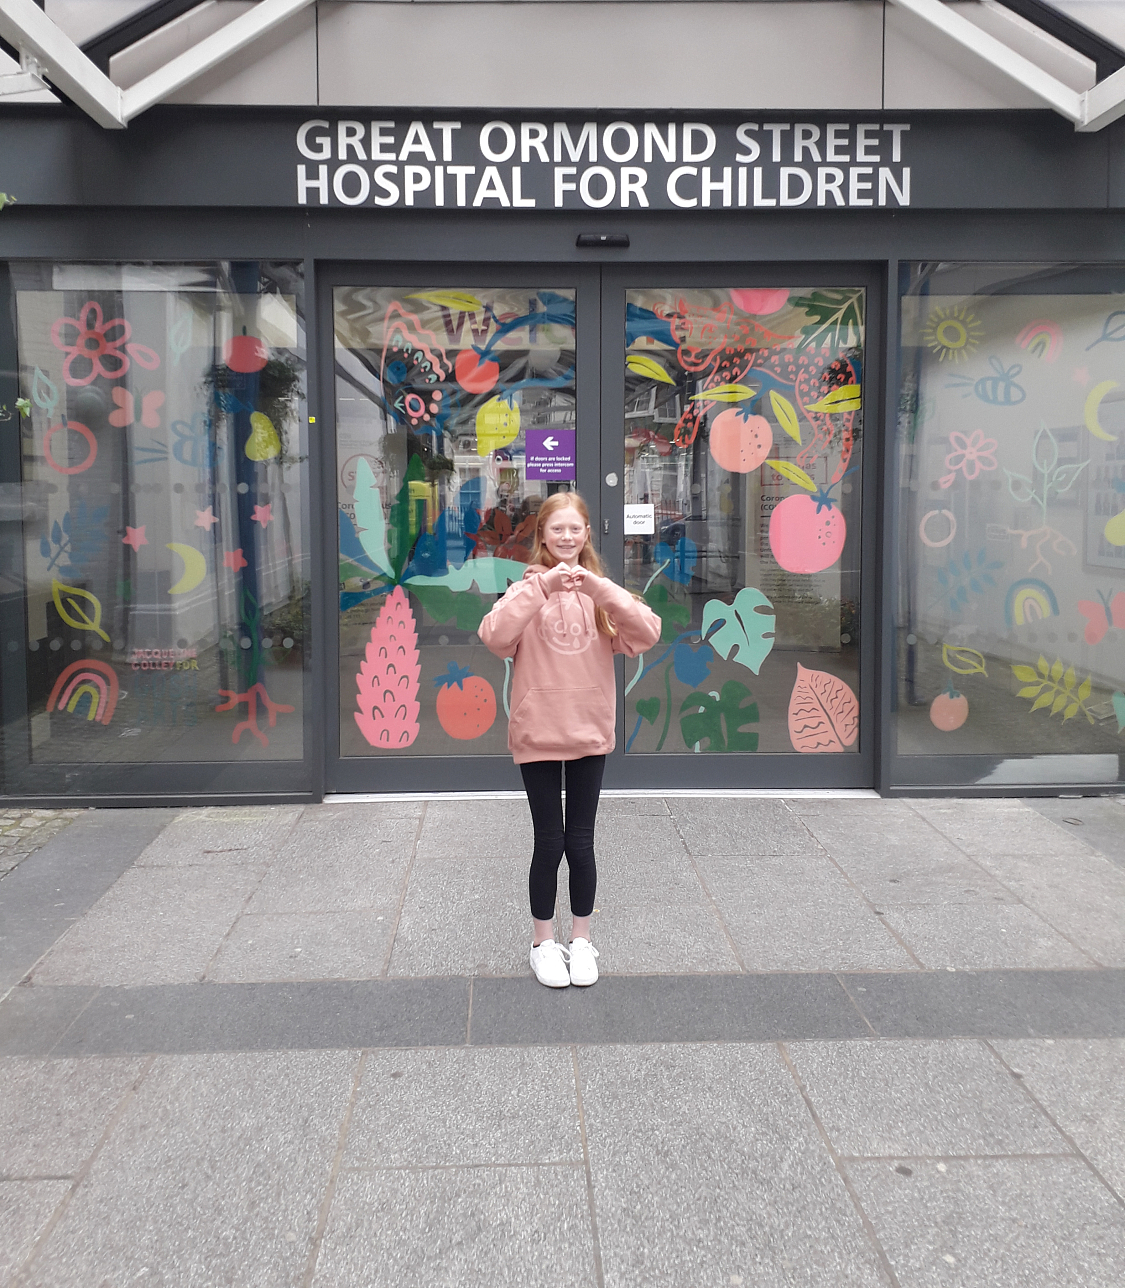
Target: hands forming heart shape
<point>573,576</point>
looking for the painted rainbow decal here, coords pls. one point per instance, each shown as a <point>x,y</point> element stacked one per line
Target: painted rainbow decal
<point>1029,601</point>
<point>95,679</point>
<point>1041,337</point>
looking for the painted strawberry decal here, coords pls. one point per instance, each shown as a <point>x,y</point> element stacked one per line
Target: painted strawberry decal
<point>466,703</point>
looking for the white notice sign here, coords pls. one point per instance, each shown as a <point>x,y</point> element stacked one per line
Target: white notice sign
<point>640,520</point>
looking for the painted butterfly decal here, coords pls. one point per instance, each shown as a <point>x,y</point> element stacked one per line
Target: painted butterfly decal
<point>1101,616</point>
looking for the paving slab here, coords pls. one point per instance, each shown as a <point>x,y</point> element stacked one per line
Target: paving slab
<point>679,1008</point>
<point>59,883</point>
<point>154,926</point>
<point>1081,895</point>
<point>335,861</point>
<point>464,916</point>
<point>33,1019</point>
<point>665,937</point>
<point>1097,820</point>
<point>708,1169</point>
<point>52,1112</point>
<point>898,1098</point>
<point>476,834</point>
<point>982,936</point>
<point>1013,1004</point>
<point>509,1227</point>
<point>264,1017</point>
<point>980,1223</point>
<point>796,912</point>
<point>217,1161</point>
<point>465,1107</point>
<point>322,945</point>
<point>734,826</point>
<point>222,835</point>
<point>25,1209</point>
<point>1081,1084</point>
<point>979,826</point>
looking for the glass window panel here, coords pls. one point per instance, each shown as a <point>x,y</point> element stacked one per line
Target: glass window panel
<point>742,433</point>
<point>454,421</point>
<point>164,603</point>
<point>1010,622</point>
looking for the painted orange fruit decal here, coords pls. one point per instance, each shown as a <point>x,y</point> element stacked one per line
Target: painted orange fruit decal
<point>740,442</point>
<point>466,703</point>
<point>949,710</point>
<point>807,533</point>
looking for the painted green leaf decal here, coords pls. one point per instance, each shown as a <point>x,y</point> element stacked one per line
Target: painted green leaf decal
<point>442,604</point>
<point>402,531</point>
<point>720,722</point>
<point>371,527</point>
<point>786,415</point>
<point>72,602</point>
<point>491,576</point>
<point>673,616</point>
<point>648,709</point>
<point>793,473</point>
<point>744,634</point>
<point>641,365</point>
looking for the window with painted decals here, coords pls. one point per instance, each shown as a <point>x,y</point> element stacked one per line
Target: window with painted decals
<point>455,419</point>
<point>743,419</point>
<point>159,552</point>
<point>1010,453</point>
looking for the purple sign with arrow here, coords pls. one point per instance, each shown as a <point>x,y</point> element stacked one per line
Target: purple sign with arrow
<point>550,454</point>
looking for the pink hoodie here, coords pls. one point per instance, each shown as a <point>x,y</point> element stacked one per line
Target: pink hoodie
<point>564,694</point>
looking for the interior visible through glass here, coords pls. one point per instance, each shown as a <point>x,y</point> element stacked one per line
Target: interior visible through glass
<point>1010,619</point>
<point>743,428</point>
<point>163,543</point>
<point>455,419</point>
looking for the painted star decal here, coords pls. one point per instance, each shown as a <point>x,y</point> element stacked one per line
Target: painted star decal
<point>234,559</point>
<point>134,537</point>
<point>261,515</point>
<point>206,518</point>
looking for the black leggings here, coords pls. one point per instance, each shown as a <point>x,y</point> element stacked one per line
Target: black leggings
<point>543,780</point>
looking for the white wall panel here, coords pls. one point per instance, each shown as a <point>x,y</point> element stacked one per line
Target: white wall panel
<point>603,55</point>
<point>278,69</point>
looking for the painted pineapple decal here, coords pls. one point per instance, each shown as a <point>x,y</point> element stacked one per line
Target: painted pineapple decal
<point>388,678</point>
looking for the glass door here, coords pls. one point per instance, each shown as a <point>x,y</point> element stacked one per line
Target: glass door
<point>456,414</point>
<point>735,408</point>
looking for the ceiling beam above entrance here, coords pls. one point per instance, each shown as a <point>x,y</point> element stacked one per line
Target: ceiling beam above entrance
<point>46,52</point>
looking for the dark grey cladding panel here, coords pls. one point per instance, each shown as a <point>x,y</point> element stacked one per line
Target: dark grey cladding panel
<point>249,157</point>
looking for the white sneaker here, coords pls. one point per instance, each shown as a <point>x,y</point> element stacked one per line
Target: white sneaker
<point>548,961</point>
<point>583,966</point>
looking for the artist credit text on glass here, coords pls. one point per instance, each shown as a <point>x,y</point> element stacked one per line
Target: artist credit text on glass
<point>743,418</point>
<point>454,421</point>
<point>1010,621</point>
<point>163,553</point>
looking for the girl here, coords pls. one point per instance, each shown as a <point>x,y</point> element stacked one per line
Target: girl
<point>563,623</point>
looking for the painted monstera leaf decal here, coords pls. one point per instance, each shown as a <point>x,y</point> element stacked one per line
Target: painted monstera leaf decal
<point>744,634</point>
<point>370,524</point>
<point>720,723</point>
<point>823,712</point>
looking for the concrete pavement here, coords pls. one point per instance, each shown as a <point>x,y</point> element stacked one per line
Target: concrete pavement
<point>838,1041</point>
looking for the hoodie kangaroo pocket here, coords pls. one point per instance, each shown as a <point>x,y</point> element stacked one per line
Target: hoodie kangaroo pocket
<point>549,719</point>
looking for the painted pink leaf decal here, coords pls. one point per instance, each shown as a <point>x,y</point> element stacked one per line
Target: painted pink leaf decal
<point>823,712</point>
<point>387,682</point>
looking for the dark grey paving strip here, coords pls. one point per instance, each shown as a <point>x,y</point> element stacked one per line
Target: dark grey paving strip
<point>1097,820</point>
<point>61,881</point>
<point>993,1004</point>
<point>664,1008</point>
<point>182,1018</point>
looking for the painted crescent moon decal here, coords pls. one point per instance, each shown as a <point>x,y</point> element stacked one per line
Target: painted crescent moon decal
<point>195,568</point>
<point>1093,402</point>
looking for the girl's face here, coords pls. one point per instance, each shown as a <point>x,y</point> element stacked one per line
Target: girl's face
<point>565,533</point>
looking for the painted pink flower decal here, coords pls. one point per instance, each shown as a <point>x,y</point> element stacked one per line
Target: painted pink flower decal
<point>970,456</point>
<point>94,345</point>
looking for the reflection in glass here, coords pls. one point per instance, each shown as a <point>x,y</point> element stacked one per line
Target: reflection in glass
<point>1010,623</point>
<point>454,421</point>
<point>742,448</point>
<point>165,585</point>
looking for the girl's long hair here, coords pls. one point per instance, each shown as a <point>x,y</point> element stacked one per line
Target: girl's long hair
<point>588,557</point>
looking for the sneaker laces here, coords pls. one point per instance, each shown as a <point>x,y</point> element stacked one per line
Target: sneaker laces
<point>589,949</point>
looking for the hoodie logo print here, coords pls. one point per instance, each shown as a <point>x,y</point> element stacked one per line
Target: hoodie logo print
<point>563,636</point>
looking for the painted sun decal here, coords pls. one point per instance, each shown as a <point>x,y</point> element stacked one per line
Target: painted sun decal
<point>952,333</point>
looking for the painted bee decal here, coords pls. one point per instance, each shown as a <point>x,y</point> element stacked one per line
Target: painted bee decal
<point>999,389</point>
